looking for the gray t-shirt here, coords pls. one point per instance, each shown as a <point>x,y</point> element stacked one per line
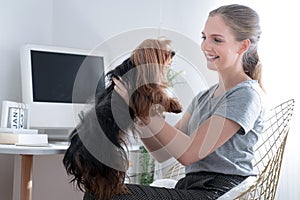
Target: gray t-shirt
<point>243,104</point>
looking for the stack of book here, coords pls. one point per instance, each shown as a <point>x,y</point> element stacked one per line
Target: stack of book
<point>24,137</point>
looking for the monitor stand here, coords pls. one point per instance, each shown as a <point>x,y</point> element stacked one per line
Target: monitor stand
<point>57,135</point>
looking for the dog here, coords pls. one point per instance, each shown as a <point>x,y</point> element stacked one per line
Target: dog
<point>110,120</point>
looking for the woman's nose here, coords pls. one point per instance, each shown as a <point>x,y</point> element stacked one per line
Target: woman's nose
<point>205,45</point>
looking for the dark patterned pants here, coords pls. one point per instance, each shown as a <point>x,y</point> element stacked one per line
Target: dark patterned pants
<point>203,186</point>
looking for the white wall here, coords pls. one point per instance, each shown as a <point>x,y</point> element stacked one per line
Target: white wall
<point>20,21</point>
<point>88,24</point>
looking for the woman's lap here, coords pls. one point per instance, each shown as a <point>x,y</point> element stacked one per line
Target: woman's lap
<point>203,186</point>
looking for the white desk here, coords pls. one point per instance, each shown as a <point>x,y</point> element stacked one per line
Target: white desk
<point>27,153</point>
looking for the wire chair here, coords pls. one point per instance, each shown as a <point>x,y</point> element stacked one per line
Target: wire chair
<point>268,155</point>
<point>176,171</point>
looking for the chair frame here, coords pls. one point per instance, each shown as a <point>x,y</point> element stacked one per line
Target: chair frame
<point>269,153</point>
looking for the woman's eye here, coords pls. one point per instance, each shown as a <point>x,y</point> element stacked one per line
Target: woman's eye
<point>203,37</point>
<point>217,40</point>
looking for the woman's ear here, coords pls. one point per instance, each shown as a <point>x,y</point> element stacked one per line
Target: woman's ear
<point>245,46</point>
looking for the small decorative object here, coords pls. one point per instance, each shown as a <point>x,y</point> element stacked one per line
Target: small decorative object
<point>14,115</point>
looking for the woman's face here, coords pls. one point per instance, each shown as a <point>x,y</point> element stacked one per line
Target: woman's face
<point>219,45</point>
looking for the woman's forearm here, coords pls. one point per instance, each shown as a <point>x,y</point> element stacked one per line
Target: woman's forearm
<point>210,135</point>
<point>163,140</point>
<point>155,148</point>
<point>175,142</point>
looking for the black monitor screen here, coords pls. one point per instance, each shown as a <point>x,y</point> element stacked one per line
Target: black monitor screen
<point>64,77</point>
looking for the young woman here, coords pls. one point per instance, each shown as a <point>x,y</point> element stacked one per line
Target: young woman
<point>215,137</point>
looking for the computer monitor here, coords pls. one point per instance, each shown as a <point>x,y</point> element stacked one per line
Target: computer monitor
<point>58,83</point>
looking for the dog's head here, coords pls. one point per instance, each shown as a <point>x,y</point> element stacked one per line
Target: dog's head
<point>152,59</point>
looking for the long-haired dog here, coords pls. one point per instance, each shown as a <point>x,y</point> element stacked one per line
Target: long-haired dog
<point>97,156</point>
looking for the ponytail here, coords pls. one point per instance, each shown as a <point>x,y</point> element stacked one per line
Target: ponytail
<point>252,66</point>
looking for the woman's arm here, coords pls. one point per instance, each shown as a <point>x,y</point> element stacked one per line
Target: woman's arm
<point>183,123</point>
<point>210,135</point>
<point>155,147</point>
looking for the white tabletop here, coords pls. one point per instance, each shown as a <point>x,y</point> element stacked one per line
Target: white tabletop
<point>52,148</point>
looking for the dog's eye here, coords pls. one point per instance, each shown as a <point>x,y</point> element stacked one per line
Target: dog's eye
<point>172,54</point>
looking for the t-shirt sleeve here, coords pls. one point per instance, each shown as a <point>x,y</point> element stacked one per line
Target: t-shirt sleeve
<point>242,105</point>
<point>191,106</point>
<point>195,102</point>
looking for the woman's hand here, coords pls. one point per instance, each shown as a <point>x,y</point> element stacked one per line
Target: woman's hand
<point>148,127</point>
<point>121,89</point>
<point>156,111</point>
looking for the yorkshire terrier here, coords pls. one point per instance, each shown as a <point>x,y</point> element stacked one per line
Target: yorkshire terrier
<point>97,156</point>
